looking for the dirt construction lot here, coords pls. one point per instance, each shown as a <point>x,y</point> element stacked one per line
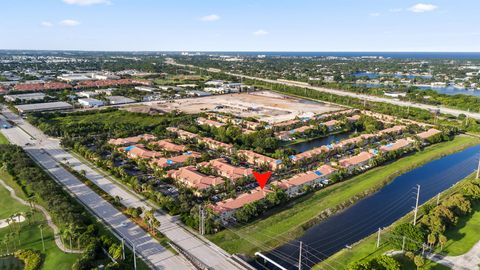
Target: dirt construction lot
<point>263,105</point>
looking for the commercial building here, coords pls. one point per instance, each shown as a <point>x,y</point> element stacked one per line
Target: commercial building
<point>90,102</point>
<point>25,97</point>
<point>41,86</point>
<point>44,107</point>
<point>116,100</point>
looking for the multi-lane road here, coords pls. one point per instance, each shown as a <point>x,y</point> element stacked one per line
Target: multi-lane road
<point>442,109</point>
<point>48,152</point>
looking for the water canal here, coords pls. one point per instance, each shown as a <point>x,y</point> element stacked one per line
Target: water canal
<point>378,210</point>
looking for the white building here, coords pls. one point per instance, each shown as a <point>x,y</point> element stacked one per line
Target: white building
<point>115,100</point>
<point>90,102</point>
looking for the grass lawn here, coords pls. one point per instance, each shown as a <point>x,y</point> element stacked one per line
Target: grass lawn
<point>3,140</point>
<point>461,239</point>
<point>465,235</point>
<point>30,237</point>
<point>286,223</point>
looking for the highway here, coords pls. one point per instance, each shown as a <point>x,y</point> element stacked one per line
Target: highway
<point>204,251</point>
<point>442,109</point>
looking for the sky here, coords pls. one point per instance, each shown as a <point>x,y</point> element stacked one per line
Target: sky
<point>241,25</point>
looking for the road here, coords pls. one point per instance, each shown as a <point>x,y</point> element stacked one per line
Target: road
<point>442,109</point>
<point>201,249</point>
<point>147,247</point>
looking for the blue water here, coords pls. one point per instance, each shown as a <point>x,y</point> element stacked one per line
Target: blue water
<point>378,210</point>
<point>305,146</point>
<point>373,75</point>
<point>448,90</point>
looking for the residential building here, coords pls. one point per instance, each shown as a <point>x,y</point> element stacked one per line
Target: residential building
<point>223,168</point>
<point>182,133</point>
<point>260,160</point>
<point>216,145</point>
<point>208,122</point>
<point>226,209</point>
<point>140,152</point>
<point>397,145</point>
<point>296,184</point>
<point>169,146</point>
<point>176,160</point>
<point>428,134</point>
<point>191,177</point>
<point>131,140</point>
<point>356,161</point>
<point>332,125</point>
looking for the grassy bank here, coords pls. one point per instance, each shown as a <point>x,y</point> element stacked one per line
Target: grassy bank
<point>3,140</point>
<point>288,223</point>
<point>29,236</point>
<point>461,238</point>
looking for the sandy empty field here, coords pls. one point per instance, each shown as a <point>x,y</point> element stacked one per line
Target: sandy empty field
<point>264,105</point>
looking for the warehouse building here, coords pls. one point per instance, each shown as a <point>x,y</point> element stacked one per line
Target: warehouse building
<point>44,107</point>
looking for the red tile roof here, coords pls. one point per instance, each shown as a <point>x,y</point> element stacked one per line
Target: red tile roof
<point>191,177</point>
<point>131,140</point>
<point>429,133</point>
<point>355,160</point>
<point>168,145</point>
<point>399,144</point>
<point>240,201</point>
<point>41,86</point>
<point>171,161</point>
<point>139,151</point>
<point>222,167</point>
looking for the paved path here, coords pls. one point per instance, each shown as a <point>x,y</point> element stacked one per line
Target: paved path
<point>467,261</point>
<point>44,147</point>
<point>347,93</point>
<point>50,223</point>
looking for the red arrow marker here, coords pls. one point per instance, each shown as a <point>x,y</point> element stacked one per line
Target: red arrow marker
<point>262,178</point>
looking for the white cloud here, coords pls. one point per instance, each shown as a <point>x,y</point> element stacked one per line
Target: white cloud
<point>420,8</point>
<point>86,2</point>
<point>210,18</point>
<point>46,24</point>
<point>260,32</point>
<point>396,10</point>
<point>69,22</point>
<point>374,14</point>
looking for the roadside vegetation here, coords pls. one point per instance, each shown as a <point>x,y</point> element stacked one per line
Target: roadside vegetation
<point>292,220</point>
<point>450,228</point>
<point>78,228</point>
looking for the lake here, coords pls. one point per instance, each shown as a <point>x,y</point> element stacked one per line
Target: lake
<point>307,145</point>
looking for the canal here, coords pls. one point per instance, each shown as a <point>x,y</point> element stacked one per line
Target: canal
<point>378,210</point>
<point>307,145</point>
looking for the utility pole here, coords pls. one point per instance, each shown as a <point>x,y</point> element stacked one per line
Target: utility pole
<point>403,244</point>
<point>41,234</point>
<point>123,249</point>
<point>416,206</point>
<point>378,237</point>
<point>478,169</point>
<point>300,256</point>
<point>201,221</point>
<point>134,258</point>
